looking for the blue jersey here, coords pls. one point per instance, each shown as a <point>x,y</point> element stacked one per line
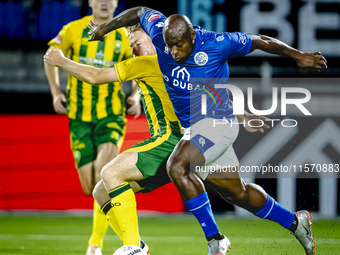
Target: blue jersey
<point>207,65</point>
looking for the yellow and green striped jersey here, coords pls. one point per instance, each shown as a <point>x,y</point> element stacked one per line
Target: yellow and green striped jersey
<point>84,101</point>
<point>158,108</point>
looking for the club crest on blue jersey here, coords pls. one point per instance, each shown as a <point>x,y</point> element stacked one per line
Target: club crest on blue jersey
<point>201,58</point>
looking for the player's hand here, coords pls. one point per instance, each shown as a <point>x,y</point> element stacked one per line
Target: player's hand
<point>134,101</point>
<point>57,103</point>
<point>312,60</point>
<point>53,56</point>
<point>256,124</point>
<point>97,32</point>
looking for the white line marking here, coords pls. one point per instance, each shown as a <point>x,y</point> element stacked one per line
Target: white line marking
<point>163,239</point>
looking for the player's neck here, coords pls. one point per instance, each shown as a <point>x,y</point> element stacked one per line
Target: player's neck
<point>99,20</point>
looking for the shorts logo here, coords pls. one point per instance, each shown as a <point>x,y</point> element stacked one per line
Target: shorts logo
<point>77,156</point>
<point>117,204</point>
<point>153,17</point>
<point>202,141</point>
<point>201,58</point>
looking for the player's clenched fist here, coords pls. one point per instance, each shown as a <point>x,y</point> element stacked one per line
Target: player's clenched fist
<point>312,60</point>
<point>53,56</point>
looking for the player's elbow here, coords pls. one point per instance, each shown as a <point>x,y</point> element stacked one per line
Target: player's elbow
<point>141,10</point>
<point>94,77</point>
<point>259,42</point>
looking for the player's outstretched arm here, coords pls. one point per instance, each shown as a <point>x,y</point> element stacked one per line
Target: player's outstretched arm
<point>305,60</point>
<point>89,74</point>
<point>52,74</point>
<point>126,18</point>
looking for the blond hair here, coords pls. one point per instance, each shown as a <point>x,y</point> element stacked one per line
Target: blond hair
<point>133,29</point>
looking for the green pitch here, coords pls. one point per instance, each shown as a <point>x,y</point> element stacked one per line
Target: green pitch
<point>51,234</point>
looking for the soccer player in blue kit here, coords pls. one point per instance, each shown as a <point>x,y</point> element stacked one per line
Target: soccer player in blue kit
<point>193,61</point>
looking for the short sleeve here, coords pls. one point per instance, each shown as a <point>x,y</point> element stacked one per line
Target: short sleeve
<point>62,40</point>
<point>152,22</point>
<point>233,44</point>
<point>134,68</point>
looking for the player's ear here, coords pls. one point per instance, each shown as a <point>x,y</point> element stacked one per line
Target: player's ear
<point>90,3</point>
<point>193,36</point>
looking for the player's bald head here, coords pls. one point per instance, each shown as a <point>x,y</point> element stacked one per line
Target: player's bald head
<point>176,26</point>
<point>179,36</point>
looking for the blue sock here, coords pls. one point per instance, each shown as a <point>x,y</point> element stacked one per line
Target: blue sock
<point>276,212</point>
<point>201,208</point>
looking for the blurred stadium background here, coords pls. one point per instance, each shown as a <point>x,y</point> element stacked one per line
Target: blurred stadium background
<point>36,166</point>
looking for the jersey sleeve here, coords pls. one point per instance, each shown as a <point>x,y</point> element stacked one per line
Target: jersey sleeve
<point>152,22</point>
<point>134,68</point>
<point>233,44</point>
<point>63,40</point>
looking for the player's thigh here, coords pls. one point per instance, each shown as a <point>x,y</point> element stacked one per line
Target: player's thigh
<point>152,157</point>
<point>224,174</point>
<point>152,183</point>
<point>83,152</point>
<point>105,153</point>
<point>211,139</point>
<point>108,136</point>
<point>153,151</point>
<point>122,169</point>
<point>226,165</point>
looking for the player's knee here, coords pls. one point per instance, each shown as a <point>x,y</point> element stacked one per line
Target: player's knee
<point>176,168</point>
<point>87,189</point>
<point>105,172</point>
<point>98,192</point>
<point>95,192</point>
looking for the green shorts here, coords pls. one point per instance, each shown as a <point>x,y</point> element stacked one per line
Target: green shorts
<point>152,156</point>
<point>87,136</point>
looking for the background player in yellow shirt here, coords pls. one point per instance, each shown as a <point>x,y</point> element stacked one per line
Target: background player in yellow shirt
<point>96,114</point>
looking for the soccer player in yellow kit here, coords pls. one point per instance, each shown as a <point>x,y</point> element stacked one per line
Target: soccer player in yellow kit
<point>96,113</point>
<point>146,159</point>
